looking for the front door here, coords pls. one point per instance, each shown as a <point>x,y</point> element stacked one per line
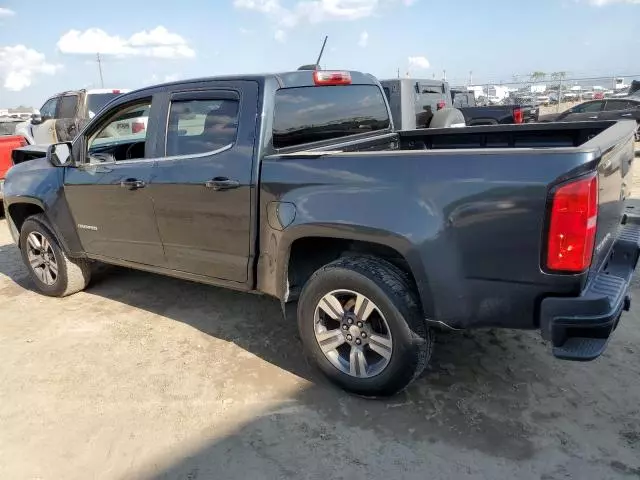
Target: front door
<point>582,113</point>
<point>202,188</point>
<point>108,194</point>
<point>44,133</point>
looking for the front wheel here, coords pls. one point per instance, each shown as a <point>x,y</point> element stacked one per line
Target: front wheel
<point>52,271</point>
<point>361,324</point>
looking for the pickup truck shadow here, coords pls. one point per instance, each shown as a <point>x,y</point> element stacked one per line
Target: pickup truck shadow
<point>483,392</point>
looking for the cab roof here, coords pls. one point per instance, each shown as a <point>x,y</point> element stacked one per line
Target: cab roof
<point>300,78</point>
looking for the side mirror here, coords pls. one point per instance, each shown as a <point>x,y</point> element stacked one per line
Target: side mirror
<point>59,154</point>
<point>36,118</point>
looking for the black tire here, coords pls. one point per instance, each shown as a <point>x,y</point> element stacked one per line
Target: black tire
<point>73,275</point>
<point>389,289</point>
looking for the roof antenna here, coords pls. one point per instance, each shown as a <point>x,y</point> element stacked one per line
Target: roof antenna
<point>316,66</point>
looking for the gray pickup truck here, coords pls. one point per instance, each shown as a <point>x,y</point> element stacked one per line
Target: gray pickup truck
<point>296,185</point>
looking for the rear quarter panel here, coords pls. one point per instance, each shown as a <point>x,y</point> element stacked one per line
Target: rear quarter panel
<point>470,224</point>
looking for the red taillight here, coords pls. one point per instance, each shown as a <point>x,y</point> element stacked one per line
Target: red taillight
<point>440,105</point>
<point>115,91</point>
<point>518,115</point>
<point>326,77</point>
<point>137,127</point>
<point>572,228</point>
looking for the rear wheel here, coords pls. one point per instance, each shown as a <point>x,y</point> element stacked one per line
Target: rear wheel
<point>361,324</point>
<point>52,271</point>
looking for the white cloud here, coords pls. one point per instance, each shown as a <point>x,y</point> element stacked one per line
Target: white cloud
<point>158,43</point>
<point>314,11</point>
<point>363,41</point>
<point>280,36</point>
<point>418,62</point>
<point>20,64</point>
<point>6,12</point>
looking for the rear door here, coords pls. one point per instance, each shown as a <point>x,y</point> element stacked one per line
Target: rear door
<point>44,132</point>
<point>202,188</point>
<point>620,110</point>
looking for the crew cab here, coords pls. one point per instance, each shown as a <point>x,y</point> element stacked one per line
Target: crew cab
<point>296,185</point>
<point>65,114</point>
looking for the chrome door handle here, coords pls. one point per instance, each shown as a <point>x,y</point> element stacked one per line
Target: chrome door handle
<point>222,183</point>
<point>132,184</point>
<point>626,115</point>
<point>593,118</point>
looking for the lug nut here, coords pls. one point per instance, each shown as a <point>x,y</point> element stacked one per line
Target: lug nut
<point>358,341</point>
<point>349,337</point>
<point>363,334</point>
<point>360,324</point>
<point>350,321</point>
<point>345,327</point>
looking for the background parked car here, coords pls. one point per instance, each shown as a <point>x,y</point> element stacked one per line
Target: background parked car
<point>607,109</point>
<point>65,114</point>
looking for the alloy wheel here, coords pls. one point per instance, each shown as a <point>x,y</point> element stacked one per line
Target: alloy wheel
<point>352,333</point>
<point>42,258</point>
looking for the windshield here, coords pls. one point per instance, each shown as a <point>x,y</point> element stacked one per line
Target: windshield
<point>95,101</point>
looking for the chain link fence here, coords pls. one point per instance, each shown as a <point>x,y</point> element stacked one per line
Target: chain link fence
<point>552,92</point>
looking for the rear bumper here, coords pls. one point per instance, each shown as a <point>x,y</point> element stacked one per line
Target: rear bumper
<point>579,327</point>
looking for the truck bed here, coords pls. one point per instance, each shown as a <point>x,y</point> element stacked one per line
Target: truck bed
<point>472,204</point>
<point>532,135</point>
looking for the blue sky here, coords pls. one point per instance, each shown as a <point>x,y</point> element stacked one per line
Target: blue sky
<point>44,50</point>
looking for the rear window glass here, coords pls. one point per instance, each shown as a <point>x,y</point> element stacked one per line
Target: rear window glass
<point>311,114</point>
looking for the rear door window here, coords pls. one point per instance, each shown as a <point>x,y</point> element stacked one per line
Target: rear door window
<point>311,114</point>
<point>68,106</point>
<point>201,126</point>
<point>614,105</point>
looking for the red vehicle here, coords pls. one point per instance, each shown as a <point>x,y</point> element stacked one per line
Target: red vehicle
<point>7,144</point>
<point>598,95</point>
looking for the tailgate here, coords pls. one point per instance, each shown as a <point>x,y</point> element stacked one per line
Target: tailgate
<point>615,181</point>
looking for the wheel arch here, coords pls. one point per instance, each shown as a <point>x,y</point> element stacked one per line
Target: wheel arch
<point>17,213</point>
<point>19,210</point>
<point>305,250</point>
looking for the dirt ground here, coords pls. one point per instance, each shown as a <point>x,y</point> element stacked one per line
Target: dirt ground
<point>146,377</point>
